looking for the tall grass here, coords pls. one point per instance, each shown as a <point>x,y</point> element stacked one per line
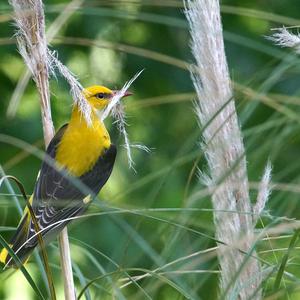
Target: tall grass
<point>224,151</point>
<point>32,44</point>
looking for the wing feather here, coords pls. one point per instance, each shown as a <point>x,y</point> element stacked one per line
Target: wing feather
<point>58,197</point>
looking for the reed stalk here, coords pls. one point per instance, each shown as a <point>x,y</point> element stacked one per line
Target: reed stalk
<point>240,276</point>
<point>32,44</point>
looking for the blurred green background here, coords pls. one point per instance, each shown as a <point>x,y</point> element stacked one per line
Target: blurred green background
<point>107,42</point>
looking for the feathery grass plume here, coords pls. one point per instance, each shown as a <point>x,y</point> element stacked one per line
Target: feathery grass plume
<point>42,62</point>
<point>224,150</point>
<point>264,192</point>
<point>284,38</point>
<point>55,26</point>
<point>75,87</point>
<point>32,44</point>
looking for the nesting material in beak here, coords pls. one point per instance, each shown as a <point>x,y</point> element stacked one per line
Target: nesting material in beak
<point>115,108</point>
<point>127,93</point>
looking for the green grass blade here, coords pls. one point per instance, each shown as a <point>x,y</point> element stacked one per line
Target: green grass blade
<point>22,268</point>
<point>39,235</point>
<point>81,280</point>
<point>284,261</point>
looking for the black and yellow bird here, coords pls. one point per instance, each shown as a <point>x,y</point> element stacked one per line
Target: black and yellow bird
<point>83,159</point>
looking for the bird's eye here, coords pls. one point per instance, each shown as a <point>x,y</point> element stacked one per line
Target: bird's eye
<point>100,95</point>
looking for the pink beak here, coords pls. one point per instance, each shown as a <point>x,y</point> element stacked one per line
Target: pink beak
<point>127,93</point>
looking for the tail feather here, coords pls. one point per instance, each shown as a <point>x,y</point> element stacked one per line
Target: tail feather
<point>17,241</point>
<point>17,244</point>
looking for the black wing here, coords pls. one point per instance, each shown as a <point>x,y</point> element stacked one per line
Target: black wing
<point>58,196</point>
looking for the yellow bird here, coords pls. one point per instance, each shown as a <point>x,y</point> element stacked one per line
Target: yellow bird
<point>83,157</point>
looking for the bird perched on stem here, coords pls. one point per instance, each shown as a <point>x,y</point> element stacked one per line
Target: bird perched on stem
<point>79,161</point>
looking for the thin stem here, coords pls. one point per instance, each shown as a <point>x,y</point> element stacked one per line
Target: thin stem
<point>224,151</point>
<point>66,265</point>
<point>31,37</point>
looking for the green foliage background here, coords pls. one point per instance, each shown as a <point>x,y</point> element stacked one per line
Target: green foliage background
<point>107,42</point>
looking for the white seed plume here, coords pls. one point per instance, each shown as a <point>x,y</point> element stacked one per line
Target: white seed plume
<point>33,48</point>
<point>223,148</point>
<point>53,29</point>
<point>32,44</point>
<point>283,38</point>
<point>75,87</point>
<point>264,192</point>
<point>30,31</point>
<point>141,147</point>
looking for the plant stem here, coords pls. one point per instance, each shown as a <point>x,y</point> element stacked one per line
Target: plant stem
<point>66,265</point>
<point>32,43</point>
<point>225,153</point>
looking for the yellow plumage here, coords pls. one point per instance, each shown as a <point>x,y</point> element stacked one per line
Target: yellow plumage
<point>3,255</point>
<point>81,144</point>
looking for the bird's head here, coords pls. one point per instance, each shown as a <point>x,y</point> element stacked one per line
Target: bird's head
<point>99,96</point>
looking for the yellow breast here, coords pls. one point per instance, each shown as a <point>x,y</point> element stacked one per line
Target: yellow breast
<point>82,145</point>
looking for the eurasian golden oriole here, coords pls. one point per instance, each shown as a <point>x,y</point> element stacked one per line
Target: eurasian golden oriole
<point>83,159</point>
